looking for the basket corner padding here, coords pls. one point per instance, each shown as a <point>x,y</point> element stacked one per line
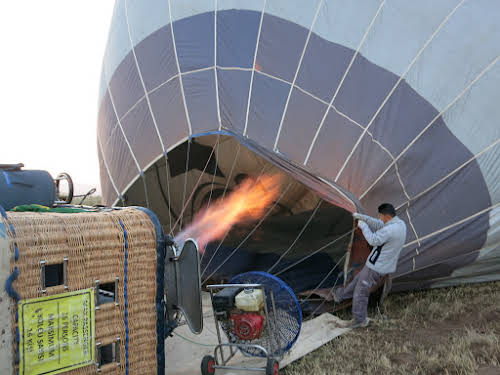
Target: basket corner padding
<point>160,288</point>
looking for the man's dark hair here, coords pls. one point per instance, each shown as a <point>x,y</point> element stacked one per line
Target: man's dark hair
<point>387,209</point>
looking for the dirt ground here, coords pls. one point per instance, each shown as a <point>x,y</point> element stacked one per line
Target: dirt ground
<point>440,331</point>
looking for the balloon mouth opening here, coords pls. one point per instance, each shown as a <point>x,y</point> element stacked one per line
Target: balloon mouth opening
<point>298,234</point>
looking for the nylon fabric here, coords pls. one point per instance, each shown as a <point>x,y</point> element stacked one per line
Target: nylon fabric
<point>386,101</point>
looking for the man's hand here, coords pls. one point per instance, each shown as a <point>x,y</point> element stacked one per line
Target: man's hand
<point>359,218</point>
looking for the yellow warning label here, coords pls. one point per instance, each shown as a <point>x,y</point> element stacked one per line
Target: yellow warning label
<point>56,333</point>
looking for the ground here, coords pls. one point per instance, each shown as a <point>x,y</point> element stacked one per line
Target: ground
<point>440,331</point>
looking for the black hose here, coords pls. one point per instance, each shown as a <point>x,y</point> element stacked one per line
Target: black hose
<point>85,196</point>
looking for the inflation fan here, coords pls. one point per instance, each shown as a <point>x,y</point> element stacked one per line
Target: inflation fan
<point>260,316</point>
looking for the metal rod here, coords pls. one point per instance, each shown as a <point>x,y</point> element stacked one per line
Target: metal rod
<point>65,273</point>
<point>218,348</point>
<point>239,368</point>
<point>117,351</point>
<point>232,354</point>
<point>270,329</point>
<point>218,286</point>
<point>98,356</point>
<point>97,283</point>
<point>245,346</point>
<point>42,276</point>
<point>218,331</point>
<point>275,323</point>
<point>117,279</point>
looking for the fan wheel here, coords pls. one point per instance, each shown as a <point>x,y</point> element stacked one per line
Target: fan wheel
<point>207,365</point>
<point>273,367</point>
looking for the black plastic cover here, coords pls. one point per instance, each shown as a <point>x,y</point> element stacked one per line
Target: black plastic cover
<point>223,301</point>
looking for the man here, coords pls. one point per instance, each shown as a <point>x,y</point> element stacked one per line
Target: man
<point>387,235</point>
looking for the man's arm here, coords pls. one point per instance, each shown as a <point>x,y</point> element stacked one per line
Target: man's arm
<point>374,224</point>
<point>378,238</point>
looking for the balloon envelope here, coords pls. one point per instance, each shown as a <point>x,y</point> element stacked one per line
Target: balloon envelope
<point>358,103</point>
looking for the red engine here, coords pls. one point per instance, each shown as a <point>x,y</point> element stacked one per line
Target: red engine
<point>247,326</point>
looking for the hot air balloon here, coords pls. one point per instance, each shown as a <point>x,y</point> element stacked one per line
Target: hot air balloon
<point>351,103</point>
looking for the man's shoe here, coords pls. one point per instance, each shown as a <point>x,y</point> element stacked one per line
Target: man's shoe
<point>362,324</point>
<point>336,298</point>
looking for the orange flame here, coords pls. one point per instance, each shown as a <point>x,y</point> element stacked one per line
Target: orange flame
<point>247,203</point>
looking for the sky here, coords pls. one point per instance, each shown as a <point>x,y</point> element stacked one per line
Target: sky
<point>50,68</point>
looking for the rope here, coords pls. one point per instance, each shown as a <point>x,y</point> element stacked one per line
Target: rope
<point>326,277</point>
<point>194,342</point>
<point>348,253</point>
<point>167,172</point>
<point>103,157</point>
<point>215,171</point>
<point>192,192</point>
<point>324,300</point>
<point>314,252</point>
<point>227,182</point>
<point>296,238</point>
<point>167,200</point>
<point>232,170</point>
<point>125,295</point>
<point>250,88</point>
<point>9,288</point>
<point>11,227</point>
<point>185,183</point>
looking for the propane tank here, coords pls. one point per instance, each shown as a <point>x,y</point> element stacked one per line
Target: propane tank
<point>250,299</point>
<point>20,186</point>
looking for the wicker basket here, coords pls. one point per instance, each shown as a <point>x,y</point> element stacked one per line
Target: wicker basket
<point>110,246</point>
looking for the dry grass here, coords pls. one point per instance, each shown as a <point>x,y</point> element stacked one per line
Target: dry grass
<point>441,331</point>
<point>89,201</point>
